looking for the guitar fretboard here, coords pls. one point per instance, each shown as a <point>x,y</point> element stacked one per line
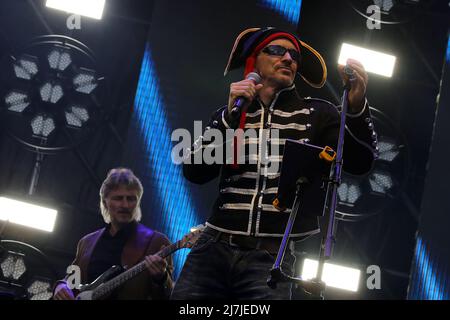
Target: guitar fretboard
<point>110,285</point>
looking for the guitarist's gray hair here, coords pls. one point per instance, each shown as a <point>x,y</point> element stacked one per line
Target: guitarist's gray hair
<point>120,177</point>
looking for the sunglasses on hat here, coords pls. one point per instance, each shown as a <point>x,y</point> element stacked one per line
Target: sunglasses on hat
<point>277,50</point>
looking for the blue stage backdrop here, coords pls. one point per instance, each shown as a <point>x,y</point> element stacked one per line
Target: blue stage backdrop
<point>290,9</point>
<point>171,206</point>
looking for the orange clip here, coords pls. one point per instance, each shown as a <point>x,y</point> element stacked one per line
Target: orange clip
<point>327,154</point>
<point>276,204</point>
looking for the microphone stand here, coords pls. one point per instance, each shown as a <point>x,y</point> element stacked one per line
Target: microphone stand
<point>316,286</point>
<point>327,244</point>
<point>276,274</point>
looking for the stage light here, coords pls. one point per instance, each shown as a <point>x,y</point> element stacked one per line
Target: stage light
<point>40,289</point>
<point>385,5</point>
<point>26,67</point>
<point>51,92</point>
<point>77,116</point>
<point>88,8</point>
<point>333,275</point>
<point>25,271</point>
<point>17,101</point>
<point>386,179</point>
<point>380,182</point>
<point>349,193</point>
<point>13,266</point>
<point>373,61</point>
<point>85,81</point>
<point>59,59</point>
<point>42,127</point>
<point>27,214</point>
<point>67,91</point>
<point>388,150</point>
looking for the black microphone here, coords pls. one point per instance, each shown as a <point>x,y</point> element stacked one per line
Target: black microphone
<point>350,73</point>
<point>240,101</point>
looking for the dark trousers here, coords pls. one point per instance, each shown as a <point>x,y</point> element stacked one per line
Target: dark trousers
<point>219,269</point>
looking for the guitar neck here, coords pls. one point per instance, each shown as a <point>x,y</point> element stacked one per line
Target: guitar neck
<point>112,284</point>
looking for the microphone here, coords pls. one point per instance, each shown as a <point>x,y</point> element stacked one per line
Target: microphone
<point>239,103</point>
<point>350,73</point>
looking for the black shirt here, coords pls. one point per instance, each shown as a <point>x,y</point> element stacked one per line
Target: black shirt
<point>108,251</point>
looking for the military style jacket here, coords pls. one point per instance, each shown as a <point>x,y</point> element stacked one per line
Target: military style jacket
<point>246,192</point>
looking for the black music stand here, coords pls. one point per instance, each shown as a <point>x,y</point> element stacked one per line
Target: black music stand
<point>303,187</point>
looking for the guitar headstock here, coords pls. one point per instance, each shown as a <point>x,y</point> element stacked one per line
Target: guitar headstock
<point>189,239</point>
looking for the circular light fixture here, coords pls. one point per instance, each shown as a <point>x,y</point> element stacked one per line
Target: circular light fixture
<point>51,94</point>
<point>25,271</point>
<point>363,196</point>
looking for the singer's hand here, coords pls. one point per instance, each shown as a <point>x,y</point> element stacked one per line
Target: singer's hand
<point>246,89</point>
<point>357,93</point>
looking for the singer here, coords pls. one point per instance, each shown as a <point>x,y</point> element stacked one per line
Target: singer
<point>233,256</point>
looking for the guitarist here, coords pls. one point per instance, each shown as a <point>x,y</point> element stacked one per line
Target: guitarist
<point>123,241</point>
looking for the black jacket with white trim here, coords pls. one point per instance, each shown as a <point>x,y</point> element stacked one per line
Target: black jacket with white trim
<point>244,205</point>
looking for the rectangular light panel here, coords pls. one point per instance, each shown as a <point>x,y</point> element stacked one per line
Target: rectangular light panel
<point>333,275</point>
<point>88,8</point>
<point>373,61</point>
<point>27,214</point>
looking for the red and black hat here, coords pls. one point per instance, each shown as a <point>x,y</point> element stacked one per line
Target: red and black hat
<point>251,41</point>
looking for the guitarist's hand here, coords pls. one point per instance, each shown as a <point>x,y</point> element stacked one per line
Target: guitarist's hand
<point>156,267</point>
<point>62,292</point>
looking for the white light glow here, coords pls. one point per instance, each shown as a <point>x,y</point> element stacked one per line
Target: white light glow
<point>373,61</point>
<point>333,275</point>
<point>88,8</point>
<point>27,214</point>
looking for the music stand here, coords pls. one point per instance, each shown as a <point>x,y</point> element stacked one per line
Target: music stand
<point>303,186</point>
